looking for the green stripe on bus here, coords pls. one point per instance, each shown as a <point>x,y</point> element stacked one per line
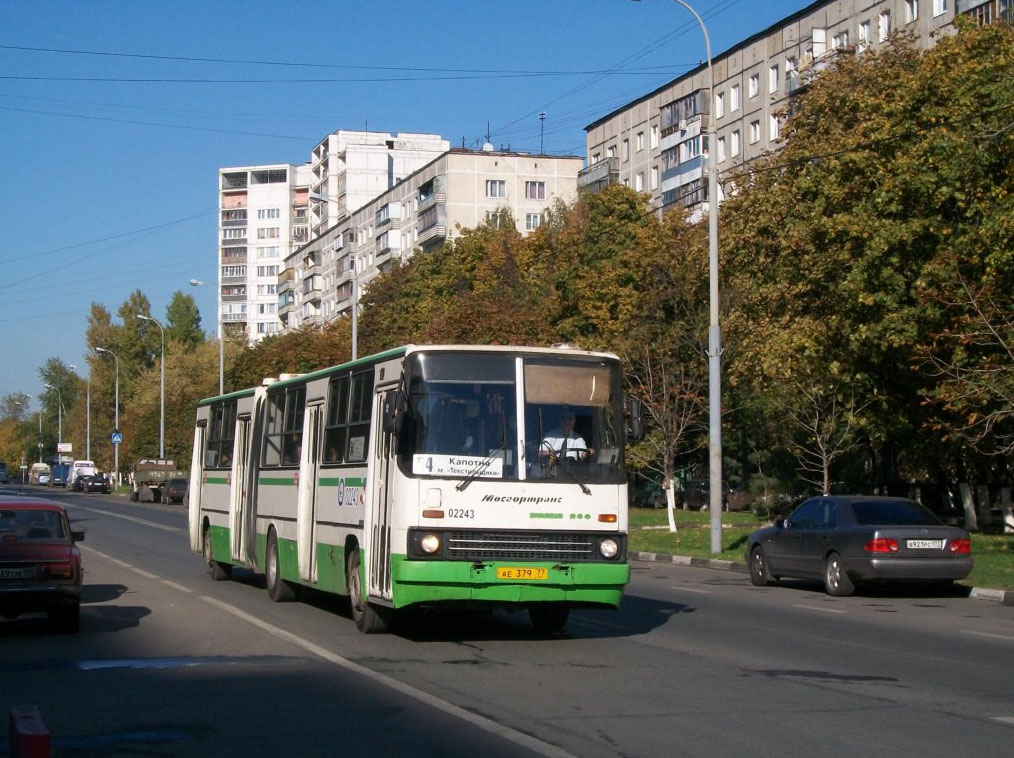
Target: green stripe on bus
<point>332,481</point>
<point>545,515</point>
<point>216,480</point>
<point>287,482</point>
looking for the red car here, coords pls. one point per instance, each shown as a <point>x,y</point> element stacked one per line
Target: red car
<point>40,566</point>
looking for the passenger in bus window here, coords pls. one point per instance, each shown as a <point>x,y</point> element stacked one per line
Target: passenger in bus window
<point>564,441</point>
<point>293,449</point>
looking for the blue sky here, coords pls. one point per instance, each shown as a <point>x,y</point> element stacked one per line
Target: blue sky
<point>109,185</point>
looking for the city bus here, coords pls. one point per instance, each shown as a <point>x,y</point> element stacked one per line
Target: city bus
<point>421,477</point>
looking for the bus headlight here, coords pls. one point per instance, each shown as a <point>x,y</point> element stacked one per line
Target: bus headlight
<point>609,548</point>
<point>430,543</point>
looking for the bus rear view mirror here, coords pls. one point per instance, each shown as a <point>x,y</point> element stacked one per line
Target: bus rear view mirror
<point>394,411</point>
<point>635,425</point>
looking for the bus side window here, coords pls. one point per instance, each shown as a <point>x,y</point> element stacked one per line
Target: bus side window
<point>273,429</point>
<point>359,416</point>
<point>337,420</point>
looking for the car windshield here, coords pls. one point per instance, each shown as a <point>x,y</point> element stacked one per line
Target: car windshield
<point>892,513</point>
<point>30,524</point>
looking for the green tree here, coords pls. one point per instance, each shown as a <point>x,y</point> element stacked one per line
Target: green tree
<point>183,322</point>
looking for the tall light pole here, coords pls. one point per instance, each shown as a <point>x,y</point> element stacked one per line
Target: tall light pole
<point>221,340</point>
<point>161,405</point>
<point>714,330</point>
<point>116,413</point>
<point>59,417</point>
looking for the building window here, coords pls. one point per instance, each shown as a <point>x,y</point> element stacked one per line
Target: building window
<point>234,234</point>
<point>654,177</point>
<point>640,141</point>
<point>268,252</point>
<point>639,181</point>
<point>230,271</point>
<point>734,98</point>
<point>267,213</point>
<point>596,157</point>
<point>864,36</point>
<point>267,289</point>
<point>911,11</point>
<point>753,85</point>
<point>939,7</point>
<point>267,271</point>
<point>428,218</point>
<point>268,233</point>
<point>754,132</point>
<point>720,157</point>
<point>535,190</point>
<point>496,188</point>
<point>654,137</point>
<point>773,130</point>
<point>267,309</point>
<point>734,144</point>
<point>719,105</point>
<point>773,78</point>
<point>690,149</point>
<point>884,26</point>
<point>493,219</point>
<point>532,221</point>
<point>610,152</point>
<point>840,40</point>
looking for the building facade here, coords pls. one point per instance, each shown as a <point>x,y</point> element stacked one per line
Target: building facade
<point>658,143</point>
<point>460,189</point>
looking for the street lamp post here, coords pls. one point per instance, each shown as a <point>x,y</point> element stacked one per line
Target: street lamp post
<point>59,416</point>
<point>714,330</point>
<point>221,341</point>
<point>116,413</point>
<point>161,406</point>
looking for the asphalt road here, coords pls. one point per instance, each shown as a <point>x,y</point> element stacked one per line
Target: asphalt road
<point>696,662</point>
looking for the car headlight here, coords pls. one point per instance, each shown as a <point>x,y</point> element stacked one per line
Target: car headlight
<point>609,548</point>
<point>430,543</point>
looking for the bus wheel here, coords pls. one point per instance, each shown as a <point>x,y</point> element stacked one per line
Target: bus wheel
<point>279,590</point>
<point>217,571</point>
<point>549,618</point>
<point>369,619</point>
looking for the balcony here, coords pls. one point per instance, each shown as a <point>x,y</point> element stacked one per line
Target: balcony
<point>599,175</point>
<point>436,198</point>
<point>437,231</point>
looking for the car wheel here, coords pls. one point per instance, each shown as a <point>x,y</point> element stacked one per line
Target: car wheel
<point>217,571</point>
<point>279,590</point>
<point>66,618</point>
<point>759,575</point>
<point>836,579</point>
<point>369,618</point>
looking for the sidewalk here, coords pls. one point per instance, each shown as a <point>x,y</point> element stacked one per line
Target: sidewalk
<point>1005,597</point>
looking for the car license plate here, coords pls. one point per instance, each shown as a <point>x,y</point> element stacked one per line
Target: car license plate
<point>925,544</point>
<point>19,573</point>
<point>517,572</point>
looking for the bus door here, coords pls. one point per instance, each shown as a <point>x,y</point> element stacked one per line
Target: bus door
<point>239,500</point>
<point>196,487</point>
<point>306,506</point>
<point>378,514</point>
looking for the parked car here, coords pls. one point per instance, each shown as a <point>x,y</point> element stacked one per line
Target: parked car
<point>175,490</point>
<point>849,540</point>
<point>58,475</point>
<point>40,566</point>
<point>44,478</point>
<point>697,495</point>
<point>93,483</point>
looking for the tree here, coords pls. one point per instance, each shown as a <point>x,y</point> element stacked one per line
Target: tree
<point>183,322</point>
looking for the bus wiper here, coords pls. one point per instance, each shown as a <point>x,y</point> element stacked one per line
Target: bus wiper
<point>479,469</point>
<point>578,482</point>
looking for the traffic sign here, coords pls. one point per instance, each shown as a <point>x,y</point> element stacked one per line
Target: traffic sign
<point>117,438</point>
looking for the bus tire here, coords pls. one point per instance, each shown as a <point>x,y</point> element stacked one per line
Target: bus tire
<point>549,618</point>
<point>279,590</point>
<point>369,618</point>
<point>217,571</point>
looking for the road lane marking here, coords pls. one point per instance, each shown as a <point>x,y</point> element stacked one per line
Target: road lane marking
<point>145,574</point>
<point>118,562</point>
<point>488,725</point>
<point>814,608</point>
<point>1004,719</point>
<point>691,589</point>
<point>1007,637</point>
<point>131,518</point>
<point>175,586</point>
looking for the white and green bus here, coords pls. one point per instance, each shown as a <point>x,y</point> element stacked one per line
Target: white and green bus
<point>423,476</point>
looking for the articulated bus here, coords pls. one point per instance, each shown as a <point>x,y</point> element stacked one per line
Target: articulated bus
<point>425,476</point>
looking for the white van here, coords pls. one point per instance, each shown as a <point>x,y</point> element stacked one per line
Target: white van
<point>77,469</point>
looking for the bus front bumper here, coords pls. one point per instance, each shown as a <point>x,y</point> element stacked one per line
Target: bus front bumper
<point>448,582</point>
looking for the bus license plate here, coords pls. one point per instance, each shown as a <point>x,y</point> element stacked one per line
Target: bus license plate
<point>925,544</point>
<point>517,572</point>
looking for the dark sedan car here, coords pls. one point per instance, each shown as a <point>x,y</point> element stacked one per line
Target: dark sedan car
<point>94,483</point>
<point>175,490</point>
<point>40,567</point>
<point>847,540</point>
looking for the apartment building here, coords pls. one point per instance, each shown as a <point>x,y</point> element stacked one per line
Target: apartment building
<point>658,143</point>
<point>347,170</point>
<point>263,215</point>
<point>460,189</point>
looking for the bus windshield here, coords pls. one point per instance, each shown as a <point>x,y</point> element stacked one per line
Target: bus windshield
<point>463,417</point>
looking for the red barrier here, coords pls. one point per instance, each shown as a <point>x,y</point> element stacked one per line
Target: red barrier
<point>28,735</point>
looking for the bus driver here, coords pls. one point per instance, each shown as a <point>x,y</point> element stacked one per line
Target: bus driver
<point>564,441</point>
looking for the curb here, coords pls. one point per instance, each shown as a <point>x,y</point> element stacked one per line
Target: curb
<point>1004,597</point>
